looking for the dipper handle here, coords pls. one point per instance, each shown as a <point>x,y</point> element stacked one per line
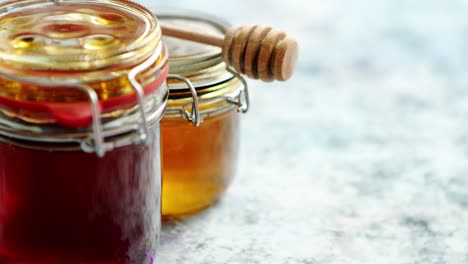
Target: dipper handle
<point>260,52</point>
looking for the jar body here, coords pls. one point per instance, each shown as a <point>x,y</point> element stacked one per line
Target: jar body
<point>74,207</point>
<point>83,89</point>
<point>198,162</point>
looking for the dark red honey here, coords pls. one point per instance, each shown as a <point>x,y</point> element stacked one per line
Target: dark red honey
<point>65,206</point>
<point>71,207</point>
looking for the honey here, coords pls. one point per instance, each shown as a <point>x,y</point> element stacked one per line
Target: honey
<point>74,207</point>
<point>199,162</point>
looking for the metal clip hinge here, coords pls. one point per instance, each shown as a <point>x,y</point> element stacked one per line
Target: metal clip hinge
<point>195,116</point>
<point>98,143</point>
<point>244,98</point>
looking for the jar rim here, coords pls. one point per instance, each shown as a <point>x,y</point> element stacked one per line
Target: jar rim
<point>200,63</point>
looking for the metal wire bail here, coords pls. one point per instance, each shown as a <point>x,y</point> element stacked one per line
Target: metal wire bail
<point>98,134</point>
<point>244,98</point>
<point>143,128</point>
<point>195,116</point>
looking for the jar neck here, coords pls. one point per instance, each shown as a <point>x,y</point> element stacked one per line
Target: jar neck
<point>41,99</point>
<point>226,96</point>
<point>131,126</point>
<point>53,86</point>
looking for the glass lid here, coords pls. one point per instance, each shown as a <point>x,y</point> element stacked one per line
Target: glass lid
<point>75,35</point>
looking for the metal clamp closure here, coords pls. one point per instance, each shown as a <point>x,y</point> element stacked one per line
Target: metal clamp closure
<point>243,101</point>
<point>239,98</point>
<point>143,127</point>
<point>98,135</point>
<point>95,141</point>
<point>195,116</point>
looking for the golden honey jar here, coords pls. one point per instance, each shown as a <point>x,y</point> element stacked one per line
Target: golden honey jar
<point>199,157</point>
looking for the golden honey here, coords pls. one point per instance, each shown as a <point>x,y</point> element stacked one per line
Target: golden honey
<point>196,173</point>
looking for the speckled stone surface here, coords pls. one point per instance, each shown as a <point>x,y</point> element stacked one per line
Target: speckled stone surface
<point>362,157</point>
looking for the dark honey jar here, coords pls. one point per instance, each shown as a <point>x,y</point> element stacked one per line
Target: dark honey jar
<point>82,92</point>
<point>199,159</point>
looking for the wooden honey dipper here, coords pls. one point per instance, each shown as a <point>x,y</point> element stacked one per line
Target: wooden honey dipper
<point>260,52</point>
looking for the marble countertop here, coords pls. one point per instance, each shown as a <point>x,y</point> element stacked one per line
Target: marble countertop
<point>362,157</point>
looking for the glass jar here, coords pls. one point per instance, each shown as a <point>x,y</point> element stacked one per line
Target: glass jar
<point>199,162</point>
<point>83,89</point>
